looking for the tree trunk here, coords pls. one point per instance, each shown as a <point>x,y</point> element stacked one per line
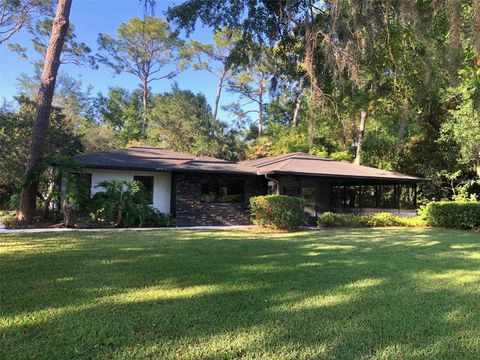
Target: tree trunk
<point>361,133</point>
<point>42,111</point>
<point>119,220</point>
<point>260,112</point>
<point>145,108</point>
<point>296,111</point>
<point>402,125</point>
<point>219,93</point>
<point>67,214</point>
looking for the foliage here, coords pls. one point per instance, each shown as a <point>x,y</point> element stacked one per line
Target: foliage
<point>147,49</point>
<point>99,138</point>
<point>221,52</point>
<point>330,219</point>
<point>386,58</point>
<point>19,13</point>
<point>73,52</point>
<point>453,214</point>
<point>142,48</point>
<point>252,84</point>
<point>15,132</point>
<point>278,211</point>
<point>181,121</point>
<point>125,204</point>
<point>305,69</point>
<point>121,111</point>
<point>464,124</point>
<point>10,220</point>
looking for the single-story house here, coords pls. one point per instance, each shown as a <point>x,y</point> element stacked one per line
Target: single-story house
<point>209,191</point>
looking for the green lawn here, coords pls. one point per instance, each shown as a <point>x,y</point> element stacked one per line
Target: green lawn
<point>339,294</point>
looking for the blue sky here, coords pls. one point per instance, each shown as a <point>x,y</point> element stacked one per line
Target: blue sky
<point>90,18</point>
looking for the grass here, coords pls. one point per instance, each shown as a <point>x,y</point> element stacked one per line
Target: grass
<point>333,294</point>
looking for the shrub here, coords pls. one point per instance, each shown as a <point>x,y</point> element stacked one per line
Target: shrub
<point>452,214</point>
<point>416,221</point>
<point>124,203</point>
<point>278,211</point>
<point>10,220</point>
<point>151,217</point>
<point>329,219</point>
<point>383,220</point>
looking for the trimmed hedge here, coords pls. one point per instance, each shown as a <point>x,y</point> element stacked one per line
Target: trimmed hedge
<point>453,214</point>
<point>329,219</point>
<point>278,211</point>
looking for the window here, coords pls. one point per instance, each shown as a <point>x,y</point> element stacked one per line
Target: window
<point>222,190</point>
<point>147,182</point>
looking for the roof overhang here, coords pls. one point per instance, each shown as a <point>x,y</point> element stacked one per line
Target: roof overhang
<point>166,169</point>
<point>352,177</point>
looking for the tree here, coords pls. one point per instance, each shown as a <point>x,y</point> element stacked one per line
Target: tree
<point>221,51</point>
<point>144,48</point>
<point>181,122</point>
<point>464,124</point>
<point>15,14</point>
<point>15,132</point>
<point>252,83</point>
<point>99,137</point>
<point>121,110</point>
<point>43,109</point>
<point>73,52</point>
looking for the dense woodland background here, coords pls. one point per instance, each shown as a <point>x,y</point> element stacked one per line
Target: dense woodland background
<point>384,83</point>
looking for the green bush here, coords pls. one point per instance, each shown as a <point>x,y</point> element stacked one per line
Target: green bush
<point>125,204</point>
<point>151,217</point>
<point>383,220</point>
<point>278,211</point>
<point>452,214</point>
<point>329,219</point>
<point>10,221</point>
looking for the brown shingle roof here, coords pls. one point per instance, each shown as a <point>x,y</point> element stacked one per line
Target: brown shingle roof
<point>300,163</point>
<point>150,158</point>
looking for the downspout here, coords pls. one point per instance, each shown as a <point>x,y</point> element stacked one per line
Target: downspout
<point>275,181</point>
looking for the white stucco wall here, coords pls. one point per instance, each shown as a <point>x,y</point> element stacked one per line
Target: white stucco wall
<point>161,184</point>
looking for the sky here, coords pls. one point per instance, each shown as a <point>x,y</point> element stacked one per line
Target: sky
<point>91,17</point>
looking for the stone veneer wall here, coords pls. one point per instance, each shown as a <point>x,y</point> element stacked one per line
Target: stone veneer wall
<point>191,212</point>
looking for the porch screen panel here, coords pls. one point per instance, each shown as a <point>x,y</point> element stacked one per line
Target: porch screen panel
<point>369,196</point>
<point>387,196</point>
<point>407,196</point>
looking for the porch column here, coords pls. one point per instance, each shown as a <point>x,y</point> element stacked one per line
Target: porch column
<point>360,196</point>
<point>338,195</point>
<point>399,192</point>
<point>415,196</point>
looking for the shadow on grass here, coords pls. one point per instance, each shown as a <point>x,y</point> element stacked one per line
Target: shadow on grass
<point>329,294</point>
